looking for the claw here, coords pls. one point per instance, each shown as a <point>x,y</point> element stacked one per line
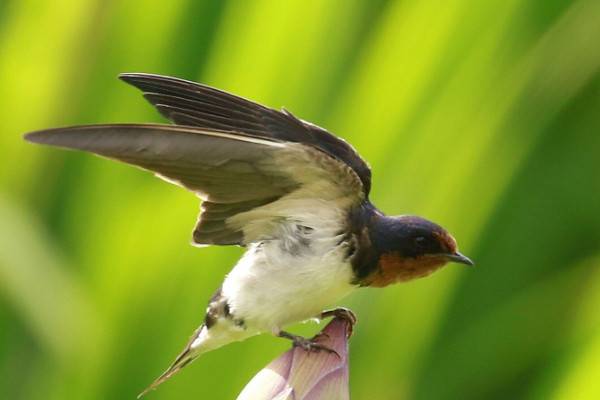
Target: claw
<point>342,313</point>
<point>308,345</point>
<point>321,335</point>
<point>313,347</point>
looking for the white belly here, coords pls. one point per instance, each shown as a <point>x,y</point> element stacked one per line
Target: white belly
<point>274,285</point>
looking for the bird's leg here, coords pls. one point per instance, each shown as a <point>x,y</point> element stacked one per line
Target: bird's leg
<point>309,345</point>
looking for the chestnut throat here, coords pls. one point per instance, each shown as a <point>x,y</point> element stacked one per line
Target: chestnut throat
<point>384,253</point>
<point>393,268</point>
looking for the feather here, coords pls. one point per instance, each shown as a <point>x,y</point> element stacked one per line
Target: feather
<point>246,182</point>
<point>189,103</point>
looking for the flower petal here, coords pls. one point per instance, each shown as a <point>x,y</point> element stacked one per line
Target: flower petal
<point>304,375</point>
<point>271,381</point>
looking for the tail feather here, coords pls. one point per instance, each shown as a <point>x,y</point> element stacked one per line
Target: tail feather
<point>183,359</point>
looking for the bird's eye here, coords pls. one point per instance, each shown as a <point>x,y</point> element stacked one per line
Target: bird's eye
<point>420,241</point>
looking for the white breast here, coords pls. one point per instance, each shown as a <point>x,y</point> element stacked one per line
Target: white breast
<point>281,281</point>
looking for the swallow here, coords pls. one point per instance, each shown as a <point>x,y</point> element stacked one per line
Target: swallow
<point>293,194</point>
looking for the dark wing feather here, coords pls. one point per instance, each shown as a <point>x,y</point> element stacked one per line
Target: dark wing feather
<point>189,103</point>
<point>231,173</point>
<point>237,176</point>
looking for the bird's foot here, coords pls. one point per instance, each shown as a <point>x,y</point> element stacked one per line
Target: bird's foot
<point>342,313</point>
<point>309,345</point>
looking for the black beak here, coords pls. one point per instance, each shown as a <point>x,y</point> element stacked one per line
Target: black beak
<point>459,258</point>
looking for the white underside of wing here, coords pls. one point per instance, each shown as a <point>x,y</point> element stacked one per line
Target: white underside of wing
<point>327,189</point>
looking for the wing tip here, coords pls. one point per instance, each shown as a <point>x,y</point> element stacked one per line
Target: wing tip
<point>30,137</point>
<point>128,76</point>
<point>38,137</point>
<point>133,78</point>
<point>68,136</point>
<point>137,78</point>
<point>57,136</point>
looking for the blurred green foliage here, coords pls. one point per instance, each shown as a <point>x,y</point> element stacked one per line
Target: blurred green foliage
<point>483,116</point>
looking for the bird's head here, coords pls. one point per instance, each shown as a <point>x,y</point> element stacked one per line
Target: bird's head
<point>411,247</point>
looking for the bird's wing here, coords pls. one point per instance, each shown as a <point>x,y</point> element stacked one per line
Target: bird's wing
<point>248,184</point>
<point>189,103</point>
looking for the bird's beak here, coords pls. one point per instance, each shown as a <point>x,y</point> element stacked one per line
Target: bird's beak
<point>459,258</point>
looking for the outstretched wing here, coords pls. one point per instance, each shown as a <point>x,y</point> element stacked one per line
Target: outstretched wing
<point>189,103</point>
<point>248,184</point>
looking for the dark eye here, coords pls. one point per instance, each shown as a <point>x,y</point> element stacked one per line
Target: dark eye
<point>420,241</point>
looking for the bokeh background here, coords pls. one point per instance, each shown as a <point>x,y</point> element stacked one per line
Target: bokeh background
<point>483,116</point>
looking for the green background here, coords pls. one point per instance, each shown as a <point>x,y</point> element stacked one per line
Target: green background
<point>481,115</point>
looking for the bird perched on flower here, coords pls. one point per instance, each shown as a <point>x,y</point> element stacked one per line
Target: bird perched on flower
<point>293,194</point>
<point>302,375</point>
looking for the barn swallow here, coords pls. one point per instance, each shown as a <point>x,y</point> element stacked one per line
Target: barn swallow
<point>293,194</point>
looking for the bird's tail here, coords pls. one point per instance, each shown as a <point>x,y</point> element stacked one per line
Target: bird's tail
<point>191,351</point>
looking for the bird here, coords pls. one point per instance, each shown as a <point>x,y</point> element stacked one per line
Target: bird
<point>294,195</point>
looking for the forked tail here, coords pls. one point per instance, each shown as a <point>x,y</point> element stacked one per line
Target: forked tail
<point>189,354</point>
